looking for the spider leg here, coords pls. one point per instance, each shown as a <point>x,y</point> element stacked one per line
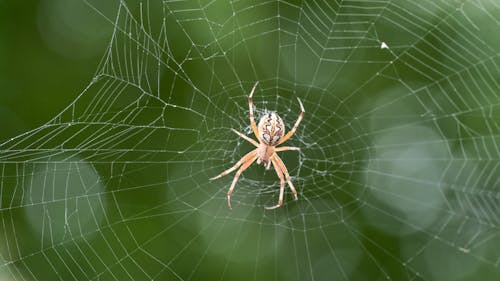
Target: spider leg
<point>282,185</point>
<point>292,131</point>
<point>236,176</point>
<point>243,159</point>
<point>246,138</point>
<point>250,105</point>
<point>268,165</point>
<point>283,168</point>
<point>285,148</point>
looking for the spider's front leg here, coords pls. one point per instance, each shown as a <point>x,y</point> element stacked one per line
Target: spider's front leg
<point>292,131</point>
<point>246,138</point>
<point>250,106</point>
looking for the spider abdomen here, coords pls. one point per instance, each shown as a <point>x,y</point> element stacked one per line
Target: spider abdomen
<point>271,129</point>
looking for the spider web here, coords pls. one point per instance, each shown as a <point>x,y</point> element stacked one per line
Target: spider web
<point>397,173</point>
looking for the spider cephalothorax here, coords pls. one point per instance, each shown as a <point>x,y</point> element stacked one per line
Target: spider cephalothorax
<point>270,133</point>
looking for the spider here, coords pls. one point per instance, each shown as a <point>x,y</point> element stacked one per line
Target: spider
<point>270,132</point>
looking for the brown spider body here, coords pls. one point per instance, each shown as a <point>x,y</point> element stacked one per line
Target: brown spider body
<point>271,129</point>
<point>270,132</point>
<point>264,153</point>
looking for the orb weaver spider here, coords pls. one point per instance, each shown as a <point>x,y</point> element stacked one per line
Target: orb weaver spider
<point>270,133</point>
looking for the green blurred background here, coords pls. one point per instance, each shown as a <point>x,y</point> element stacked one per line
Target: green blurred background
<point>115,114</point>
<point>42,74</point>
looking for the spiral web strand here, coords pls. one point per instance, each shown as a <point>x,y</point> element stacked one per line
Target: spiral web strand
<point>397,173</point>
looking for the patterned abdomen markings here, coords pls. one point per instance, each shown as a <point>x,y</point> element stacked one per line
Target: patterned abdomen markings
<point>271,129</point>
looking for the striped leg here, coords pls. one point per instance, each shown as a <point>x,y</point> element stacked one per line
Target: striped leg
<point>292,131</point>
<point>282,185</point>
<point>287,176</point>
<point>246,138</point>
<point>285,148</point>
<point>244,159</point>
<point>236,176</point>
<point>250,105</point>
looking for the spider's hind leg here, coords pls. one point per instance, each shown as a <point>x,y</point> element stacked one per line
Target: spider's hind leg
<point>283,168</point>
<point>244,159</point>
<point>282,185</point>
<point>236,176</point>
